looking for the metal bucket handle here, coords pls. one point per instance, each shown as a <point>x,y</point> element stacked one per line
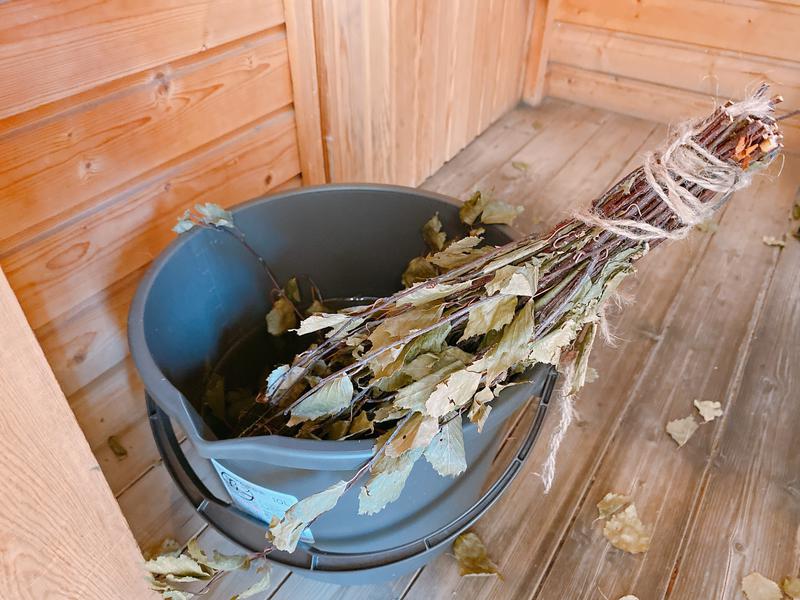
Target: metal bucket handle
<point>222,514</point>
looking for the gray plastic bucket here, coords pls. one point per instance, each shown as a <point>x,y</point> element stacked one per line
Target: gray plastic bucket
<point>205,292</point>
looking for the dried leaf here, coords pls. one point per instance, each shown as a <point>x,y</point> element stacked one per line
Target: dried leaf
<point>177,566</point>
<point>472,208</point>
<point>316,307</point>
<point>184,223</point>
<point>219,562</point>
<point>492,314</point>
<point>321,321</point>
<point>629,597</point>
<point>453,393</point>
<point>281,317</point>
<point>387,478</point>
<point>415,433</point>
<point>292,290</point>
<point>170,594</point>
<point>116,447</point>
<point>791,585</point>
<point>496,212</point>
<point>627,185</point>
<point>515,280</point>
<point>480,409</point>
<point>708,409</point>
<point>423,294</point>
<point>682,429</point>
<point>757,587</point>
<point>404,324</point>
<point>548,349</point>
<point>707,227</point>
<point>285,534</point>
<point>327,400</point>
<point>259,586</point>
<point>361,423</point>
<point>415,395</point>
<point>625,531</point>
<point>214,214</point>
<point>611,504</point>
<point>472,556</point>
<point>418,269</point>
<point>446,451</point>
<point>519,165</point>
<point>796,210</point>
<point>432,233</point>
<point>512,347</point>
<point>459,253</point>
<point>773,241</point>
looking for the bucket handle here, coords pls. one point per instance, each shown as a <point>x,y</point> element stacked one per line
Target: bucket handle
<point>228,519</point>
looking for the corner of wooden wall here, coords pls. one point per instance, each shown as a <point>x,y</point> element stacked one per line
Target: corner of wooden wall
<point>538,51</point>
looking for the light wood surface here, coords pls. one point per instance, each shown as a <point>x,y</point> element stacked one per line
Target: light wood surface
<point>662,60</point>
<point>539,50</point>
<point>405,84</point>
<point>714,318</point>
<point>63,535</point>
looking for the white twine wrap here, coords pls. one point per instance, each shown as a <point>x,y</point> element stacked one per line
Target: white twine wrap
<point>567,414</point>
<point>683,159</point>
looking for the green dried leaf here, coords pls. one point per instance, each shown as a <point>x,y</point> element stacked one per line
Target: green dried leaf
<point>433,235</point>
<point>515,280</point>
<point>493,314</point>
<point>496,212</point>
<point>281,318</point>
<point>387,478</point>
<point>116,447</point>
<point>519,165</point>
<point>418,269</point>
<point>472,208</point>
<point>459,253</point>
<point>512,347</point>
<point>328,399</point>
<point>262,585</point>
<point>446,451</point>
<point>214,214</point>
<point>453,393</point>
<point>285,534</point>
<point>472,556</point>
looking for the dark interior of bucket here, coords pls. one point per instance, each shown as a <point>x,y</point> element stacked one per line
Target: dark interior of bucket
<point>205,315</point>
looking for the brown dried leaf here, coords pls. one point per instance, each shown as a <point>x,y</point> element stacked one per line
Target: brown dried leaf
<point>519,165</point>
<point>452,393</point>
<point>773,241</point>
<point>708,409</point>
<point>791,587</point>
<point>682,429</point>
<point>493,314</point>
<point>418,269</point>
<point>433,235</point>
<point>417,432</point>
<point>611,504</point>
<point>116,447</point>
<point>757,587</point>
<point>472,556</point>
<point>281,317</point>
<point>625,531</point>
<point>387,478</point>
<point>285,533</point>
<point>496,212</point>
<point>472,208</point>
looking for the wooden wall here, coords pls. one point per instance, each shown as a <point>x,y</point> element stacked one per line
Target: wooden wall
<point>114,118</point>
<point>405,84</point>
<point>665,59</point>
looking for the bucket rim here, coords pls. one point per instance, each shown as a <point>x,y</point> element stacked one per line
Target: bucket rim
<point>283,450</point>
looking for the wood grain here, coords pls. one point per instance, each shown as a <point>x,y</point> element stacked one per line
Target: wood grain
<point>74,45</point>
<point>62,270</point>
<point>406,84</point>
<point>761,28</point>
<point>59,168</point>
<point>305,88</point>
<point>539,50</point>
<point>63,533</point>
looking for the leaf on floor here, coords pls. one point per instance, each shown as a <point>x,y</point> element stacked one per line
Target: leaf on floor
<point>757,587</point>
<point>259,586</point>
<point>629,597</point>
<point>791,587</point>
<point>625,531</point>
<point>773,241</point>
<point>472,556</point>
<point>611,504</point>
<point>708,409</point>
<point>707,227</point>
<point>116,447</point>
<point>682,429</point>
<point>519,165</point>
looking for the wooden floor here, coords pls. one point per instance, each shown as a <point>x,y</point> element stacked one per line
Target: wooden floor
<point>715,317</point>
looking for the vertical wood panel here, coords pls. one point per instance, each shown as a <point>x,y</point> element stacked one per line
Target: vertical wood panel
<point>406,84</point>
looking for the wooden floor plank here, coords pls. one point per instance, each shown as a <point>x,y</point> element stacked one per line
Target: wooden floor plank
<point>696,358</point>
<point>748,513</point>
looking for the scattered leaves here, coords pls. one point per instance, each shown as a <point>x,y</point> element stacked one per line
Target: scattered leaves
<point>116,447</point>
<point>773,241</point>
<point>757,587</point>
<point>611,504</point>
<point>708,409</point>
<point>285,533</point>
<point>682,429</point>
<point>625,531</point>
<point>472,556</point>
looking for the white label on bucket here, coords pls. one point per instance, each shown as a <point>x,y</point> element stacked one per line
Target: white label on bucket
<point>260,502</point>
